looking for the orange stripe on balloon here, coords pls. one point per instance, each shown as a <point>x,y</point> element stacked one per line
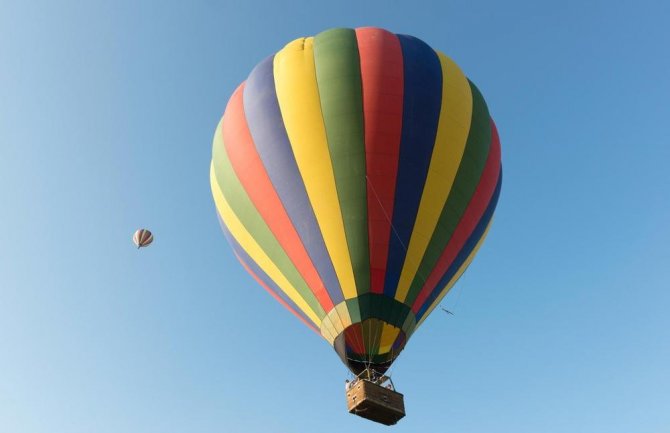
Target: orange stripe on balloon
<point>254,178</point>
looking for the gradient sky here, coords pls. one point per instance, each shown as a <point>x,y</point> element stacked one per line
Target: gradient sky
<point>107,114</point>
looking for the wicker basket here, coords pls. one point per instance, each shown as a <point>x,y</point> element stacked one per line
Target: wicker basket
<point>374,402</point>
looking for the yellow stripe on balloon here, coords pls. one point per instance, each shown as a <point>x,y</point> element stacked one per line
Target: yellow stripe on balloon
<point>251,247</point>
<point>451,282</point>
<point>389,335</point>
<point>328,331</point>
<point>452,135</point>
<point>343,314</point>
<point>298,96</point>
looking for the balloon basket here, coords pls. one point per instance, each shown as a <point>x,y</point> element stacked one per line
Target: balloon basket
<point>375,402</point>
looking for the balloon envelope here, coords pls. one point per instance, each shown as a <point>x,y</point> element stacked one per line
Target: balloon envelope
<point>142,238</point>
<point>355,174</point>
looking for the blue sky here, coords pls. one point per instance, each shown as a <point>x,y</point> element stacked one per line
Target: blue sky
<point>106,121</point>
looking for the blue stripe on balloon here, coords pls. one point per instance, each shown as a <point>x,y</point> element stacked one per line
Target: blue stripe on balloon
<point>258,272</point>
<point>422,98</point>
<point>274,148</point>
<point>462,256</point>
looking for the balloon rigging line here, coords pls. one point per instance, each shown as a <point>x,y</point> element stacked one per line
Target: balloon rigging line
<point>372,187</point>
<point>374,191</point>
<point>385,214</point>
<point>460,292</point>
<point>423,280</point>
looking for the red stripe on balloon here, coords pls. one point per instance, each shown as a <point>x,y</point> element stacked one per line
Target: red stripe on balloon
<point>254,178</point>
<point>469,220</point>
<point>382,81</point>
<point>354,338</point>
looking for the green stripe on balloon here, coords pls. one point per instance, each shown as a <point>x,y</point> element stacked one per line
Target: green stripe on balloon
<point>337,65</point>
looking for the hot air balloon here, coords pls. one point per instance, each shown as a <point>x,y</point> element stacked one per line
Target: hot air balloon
<point>142,238</point>
<point>355,174</point>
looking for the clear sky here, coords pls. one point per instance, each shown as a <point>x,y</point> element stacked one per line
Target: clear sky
<point>107,111</point>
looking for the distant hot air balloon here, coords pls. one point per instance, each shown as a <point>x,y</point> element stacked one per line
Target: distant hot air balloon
<point>143,238</point>
<point>356,174</point>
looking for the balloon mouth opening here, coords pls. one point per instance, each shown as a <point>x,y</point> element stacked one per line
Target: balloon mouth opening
<point>358,362</point>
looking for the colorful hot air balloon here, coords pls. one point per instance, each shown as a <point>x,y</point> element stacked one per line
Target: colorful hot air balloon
<point>355,174</point>
<point>142,238</point>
